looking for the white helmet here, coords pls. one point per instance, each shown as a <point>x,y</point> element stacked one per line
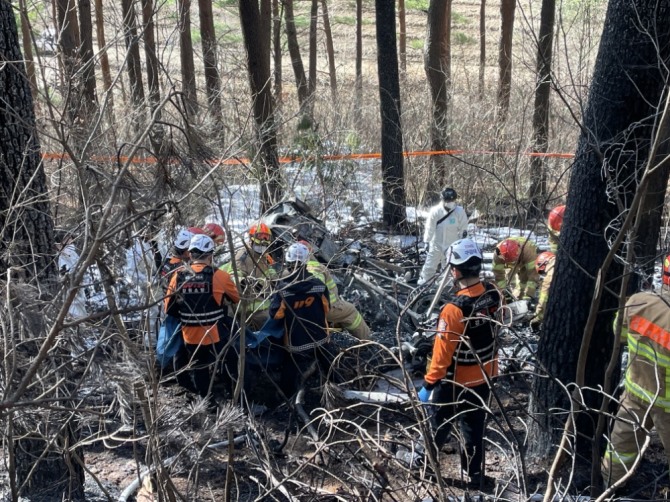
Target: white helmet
<point>462,251</point>
<point>297,252</point>
<point>202,244</point>
<point>183,238</point>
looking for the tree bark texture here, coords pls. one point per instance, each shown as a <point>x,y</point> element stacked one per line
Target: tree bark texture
<point>538,174</point>
<point>186,57</point>
<point>277,51</point>
<point>104,58</point>
<point>255,18</point>
<point>437,64</point>
<point>394,213</point>
<point>68,48</point>
<point>313,25</point>
<point>618,121</point>
<point>153,81</point>
<point>358,100</point>
<point>25,217</point>
<point>28,48</point>
<point>330,49</point>
<point>210,60</point>
<point>294,51</point>
<point>135,79</point>
<point>87,55</point>
<point>402,35</point>
<point>507,8</point>
<point>482,48</point>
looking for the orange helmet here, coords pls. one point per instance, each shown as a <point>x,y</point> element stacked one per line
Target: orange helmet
<point>542,261</point>
<point>195,230</point>
<point>555,219</point>
<point>216,232</point>
<point>666,271</point>
<point>509,250</point>
<point>259,233</point>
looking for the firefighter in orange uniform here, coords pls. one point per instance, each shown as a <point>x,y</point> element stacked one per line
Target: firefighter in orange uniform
<point>197,296</point>
<point>465,357</point>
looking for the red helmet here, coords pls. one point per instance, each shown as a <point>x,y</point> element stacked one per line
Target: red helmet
<point>259,233</point>
<point>509,250</point>
<point>543,260</point>
<point>666,271</point>
<point>216,232</point>
<point>555,219</point>
<point>306,244</point>
<point>195,230</point>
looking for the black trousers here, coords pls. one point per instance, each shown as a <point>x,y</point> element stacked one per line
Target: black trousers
<point>464,405</point>
<point>296,365</point>
<point>193,364</point>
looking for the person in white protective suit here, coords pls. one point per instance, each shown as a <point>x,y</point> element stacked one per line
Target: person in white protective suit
<point>67,261</point>
<point>445,224</point>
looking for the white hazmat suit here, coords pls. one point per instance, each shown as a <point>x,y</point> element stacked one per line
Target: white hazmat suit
<point>443,227</point>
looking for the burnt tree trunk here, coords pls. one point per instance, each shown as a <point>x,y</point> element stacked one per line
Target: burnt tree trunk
<point>358,85</point>
<point>104,59</point>
<point>134,62</point>
<point>28,48</point>
<point>42,465</point>
<point>437,64</point>
<point>507,8</point>
<point>538,175</point>
<point>294,51</point>
<point>313,24</point>
<point>394,211</point>
<point>402,35</point>
<point>68,48</point>
<point>276,51</point>
<point>330,49</point>
<point>210,60</point>
<point>186,58</point>
<point>482,48</point>
<point>618,124</point>
<point>150,55</point>
<point>87,55</point>
<point>255,18</point>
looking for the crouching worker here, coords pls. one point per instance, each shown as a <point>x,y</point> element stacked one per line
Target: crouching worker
<point>465,357</point>
<point>197,295</point>
<point>302,304</point>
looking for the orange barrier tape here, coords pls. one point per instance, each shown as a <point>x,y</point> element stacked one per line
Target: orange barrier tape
<point>288,160</point>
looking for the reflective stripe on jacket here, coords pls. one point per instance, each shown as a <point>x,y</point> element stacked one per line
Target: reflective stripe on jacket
<point>257,267</point>
<point>523,268</point>
<point>321,272</point>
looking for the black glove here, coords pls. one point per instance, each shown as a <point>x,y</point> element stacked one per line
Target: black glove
<point>535,323</point>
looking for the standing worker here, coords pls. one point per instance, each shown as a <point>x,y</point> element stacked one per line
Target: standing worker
<point>514,266</point>
<point>342,314</point>
<point>446,222</point>
<point>554,223</point>
<point>465,357</point>
<point>197,296</point>
<point>302,304</point>
<point>544,266</point>
<point>255,273</point>
<point>645,402</point>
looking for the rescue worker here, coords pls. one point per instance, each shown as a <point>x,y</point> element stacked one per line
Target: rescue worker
<point>544,266</point>
<point>446,222</point>
<point>342,314</point>
<point>197,296</point>
<point>255,269</point>
<point>302,304</point>
<point>465,357</point>
<point>215,232</point>
<point>554,223</point>
<point>517,254</point>
<point>646,398</point>
<point>178,256</point>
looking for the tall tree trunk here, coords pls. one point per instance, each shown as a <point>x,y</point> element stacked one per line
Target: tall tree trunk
<point>276,50</point>
<point>134,62</point>
<point>437,64</point>
<point>294,51</point>
<point>538,175</point>
<point>104,59</point>
<point>627,85</point>
<point>87,55</point>
<point>210,59</point>
<point>482,48</point>
<point>68,45</point>
<point>394,211</point>
<point>39,457</point>
<point>186,58</point>
<point>150,55</point>
<point>313,24</point>
<point>358,85</point>
<point>507,8</point>
<point>256,23</point>
<point>330,48</point>
<point>28,48</point>
<point>402,35</point>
